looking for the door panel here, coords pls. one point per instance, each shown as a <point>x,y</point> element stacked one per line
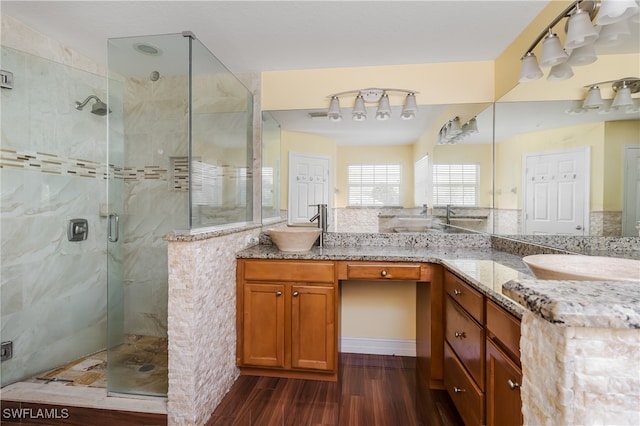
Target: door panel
<point>264,306</point>
<point>312,327</point>
<point>556,192</point>
<point>309,184</point>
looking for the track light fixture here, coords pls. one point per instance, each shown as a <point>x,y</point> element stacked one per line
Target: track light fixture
<point>453,132</point>
<point>612,16</point>
<point>623,88</point>
<point>373,95</point>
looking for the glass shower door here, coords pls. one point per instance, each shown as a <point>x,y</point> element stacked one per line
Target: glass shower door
<point>147,198</point>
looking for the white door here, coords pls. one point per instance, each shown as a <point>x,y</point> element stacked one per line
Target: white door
<point>556,192</point>
<point>631,194</point>
<point>309,183</point>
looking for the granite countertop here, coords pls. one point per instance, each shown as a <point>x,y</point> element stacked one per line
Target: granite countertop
<point>503,277</point>
<point>484,268</point>
<point>601,304</point>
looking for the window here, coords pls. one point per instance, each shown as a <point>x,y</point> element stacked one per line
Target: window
<point>374,184</point>
<point>421,181</point>
<point>456,184</point>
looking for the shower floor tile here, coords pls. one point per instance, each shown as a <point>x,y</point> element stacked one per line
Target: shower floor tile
<point>138,364</point>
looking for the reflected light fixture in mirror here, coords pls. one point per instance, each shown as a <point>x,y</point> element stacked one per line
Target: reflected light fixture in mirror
<point>580,36</point>
<point>623,88</point>
<point>452,132</point>
<point>373,95</point>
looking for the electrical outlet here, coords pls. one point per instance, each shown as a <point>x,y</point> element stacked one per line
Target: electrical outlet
<point>6,351</point>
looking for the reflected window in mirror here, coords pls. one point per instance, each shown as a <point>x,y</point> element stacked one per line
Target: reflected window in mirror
<point>374,185</point>
<point>456,184</point>
<point>271,140</point>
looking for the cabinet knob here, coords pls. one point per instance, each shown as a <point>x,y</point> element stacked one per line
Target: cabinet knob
<point>383,273</point>
<point>457,292</point>
<point>458,390</point>
<point>295,294</point>
<point>278,293</point>
<point>460,334</point>
<point>513,385</point>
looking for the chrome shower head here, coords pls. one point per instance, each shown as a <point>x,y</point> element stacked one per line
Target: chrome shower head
<point>99,108</point>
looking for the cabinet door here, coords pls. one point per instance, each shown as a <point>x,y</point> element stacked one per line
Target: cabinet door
<point>313,334</point>
<point>504,404</point>
<point>264,316</point>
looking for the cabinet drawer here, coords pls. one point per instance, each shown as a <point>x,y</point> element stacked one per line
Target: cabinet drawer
<point>383,271</point>
<point>471,300</point>
<point>283,270</point>
<point>505,328</point>
<point>466,338</point>
<point>466,396</point>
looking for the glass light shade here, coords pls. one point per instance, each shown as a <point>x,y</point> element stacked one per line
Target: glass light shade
<point>583,55</point>
<point>384,109</point>
<point>552,52</point>
<point>530,70</point>
<point>334,113</point>
<point>613,34</point>
<point>410,107</point>
<point>472,125</point>
<point>612,11</point>
<point>576,108</point>
<point>455,128</point>
<point>580,31</point>
<point>359,111</point>
<point>560,72</point>
<point>623,98</point>
<point>593,99</point>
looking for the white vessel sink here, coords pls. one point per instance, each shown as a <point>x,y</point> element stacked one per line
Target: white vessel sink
<point>582,268</point>
<point>294,238</point>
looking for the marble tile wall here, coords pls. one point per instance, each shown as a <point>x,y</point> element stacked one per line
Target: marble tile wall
<point>584,368</point>
<point>52,169</point>
<point>202,324</point>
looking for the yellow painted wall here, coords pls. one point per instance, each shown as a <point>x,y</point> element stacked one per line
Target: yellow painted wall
<point>390,154</point>
<point>441,83</point>
<point>303,143</point>
<point>379,310</point>
<point>470,154</point>
<point>617,134</point>
<point>509,160</point>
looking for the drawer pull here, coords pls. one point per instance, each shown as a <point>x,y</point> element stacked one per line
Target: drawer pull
<point>513,385</point>
<point>383,273</point>
<point>278,293</point>
<point>460,334</point>
<point>295,294</point>
<point>457,292</point>
<point>458,390</point>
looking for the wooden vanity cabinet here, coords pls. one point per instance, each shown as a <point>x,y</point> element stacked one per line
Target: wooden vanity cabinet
<point>287,318</point>
<point>464,348</point>
<point>504,372</point>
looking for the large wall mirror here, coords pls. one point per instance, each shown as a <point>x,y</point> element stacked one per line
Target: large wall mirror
<point>564,170</point>
<point>396,175</point>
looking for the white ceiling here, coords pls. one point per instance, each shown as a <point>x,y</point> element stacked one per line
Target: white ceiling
<point>256,36</point>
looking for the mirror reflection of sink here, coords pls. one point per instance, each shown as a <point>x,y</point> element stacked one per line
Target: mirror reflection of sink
<point>294,238</point>
<point>582,268</point>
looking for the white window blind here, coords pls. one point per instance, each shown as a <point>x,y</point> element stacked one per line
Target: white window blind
<point>374,184</point>
<point>456,184</point>
<point>267,186</point>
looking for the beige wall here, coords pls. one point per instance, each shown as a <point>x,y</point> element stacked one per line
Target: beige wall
<point>443,83</point>
<point>390,154</point>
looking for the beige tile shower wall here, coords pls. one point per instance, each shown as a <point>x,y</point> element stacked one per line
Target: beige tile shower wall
<point>202,325</point>
<point>579,375</point>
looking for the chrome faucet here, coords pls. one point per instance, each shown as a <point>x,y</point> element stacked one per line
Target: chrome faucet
<point>321,216</point>
<point>425,210</point>
<point>449,213</point>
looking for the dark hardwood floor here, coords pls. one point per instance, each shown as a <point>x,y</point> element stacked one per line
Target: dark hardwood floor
<point>372,390</point>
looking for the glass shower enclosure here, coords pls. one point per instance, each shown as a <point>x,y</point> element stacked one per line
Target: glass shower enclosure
<point>180,159</point>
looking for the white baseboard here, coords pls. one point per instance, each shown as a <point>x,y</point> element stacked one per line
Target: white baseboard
<point>363,345</point>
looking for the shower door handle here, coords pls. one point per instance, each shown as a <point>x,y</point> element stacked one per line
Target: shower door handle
<point>113,228</point>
